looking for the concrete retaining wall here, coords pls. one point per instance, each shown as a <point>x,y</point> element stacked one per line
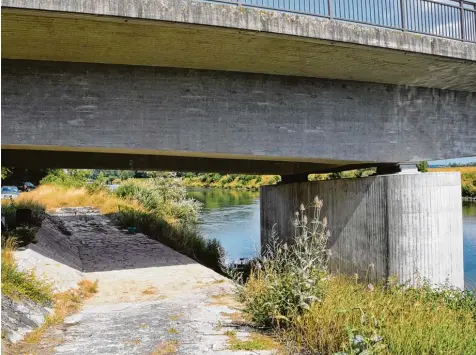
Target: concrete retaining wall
<point>409,225</point>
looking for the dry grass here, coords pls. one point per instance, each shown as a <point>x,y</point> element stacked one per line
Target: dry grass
<point>176,316</point>
<point>236,317</point>
<point>255,341</point>
<point>66,303</point>
<point>150,291</point>
<point>53,197</point>
<point>409,321</point>
<point>166,348</point>
<point>461,169</point>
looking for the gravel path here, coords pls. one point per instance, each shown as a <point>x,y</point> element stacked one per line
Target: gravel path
<point>151,299</point>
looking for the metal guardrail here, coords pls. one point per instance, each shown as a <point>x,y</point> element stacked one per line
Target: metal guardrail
<point>443,18</point>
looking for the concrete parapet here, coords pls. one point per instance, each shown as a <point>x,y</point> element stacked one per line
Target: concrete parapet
<point>408,225</point>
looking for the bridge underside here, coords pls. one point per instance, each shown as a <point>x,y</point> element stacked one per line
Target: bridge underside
<point>47,159</point>
<point>231,117</point>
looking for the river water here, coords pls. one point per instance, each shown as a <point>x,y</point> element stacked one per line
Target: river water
<point>232,217</point>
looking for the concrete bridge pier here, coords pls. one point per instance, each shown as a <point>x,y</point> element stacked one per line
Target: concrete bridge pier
<point>407,225</point>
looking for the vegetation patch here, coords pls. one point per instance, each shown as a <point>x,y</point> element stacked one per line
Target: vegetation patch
<point>169,347</point>
<point>254,341</point>
<point>290,291</point>
<point>229,181</point>
<point>18,284</point>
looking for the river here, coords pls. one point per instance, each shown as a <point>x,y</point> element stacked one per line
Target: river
<point>232,217</point>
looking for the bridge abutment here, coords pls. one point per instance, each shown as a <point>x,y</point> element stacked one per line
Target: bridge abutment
<point>408,225</point>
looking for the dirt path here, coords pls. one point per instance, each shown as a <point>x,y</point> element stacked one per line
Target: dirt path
<point>151,299</point>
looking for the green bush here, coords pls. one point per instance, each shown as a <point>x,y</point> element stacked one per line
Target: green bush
<point>423,167</point>
<point>69,178</point>
<point>163,196</point>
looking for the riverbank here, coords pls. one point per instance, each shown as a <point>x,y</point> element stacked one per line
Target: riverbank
<point>229,181</point>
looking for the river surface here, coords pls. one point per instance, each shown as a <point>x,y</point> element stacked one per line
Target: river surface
<point>232,217</point>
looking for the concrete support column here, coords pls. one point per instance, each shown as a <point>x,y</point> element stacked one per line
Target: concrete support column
<point>408,225</point>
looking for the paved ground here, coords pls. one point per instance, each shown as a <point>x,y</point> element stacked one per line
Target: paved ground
<point>151,299</point>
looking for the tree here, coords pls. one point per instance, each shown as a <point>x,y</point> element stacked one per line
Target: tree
<point>423,167</point>
<point>5,172</point>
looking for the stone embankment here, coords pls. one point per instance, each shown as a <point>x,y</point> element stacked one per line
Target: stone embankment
<point>150,300</point>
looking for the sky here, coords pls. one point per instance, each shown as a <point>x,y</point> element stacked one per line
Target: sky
<point>449,161</point>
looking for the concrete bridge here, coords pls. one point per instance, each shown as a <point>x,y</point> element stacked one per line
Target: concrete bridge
<point>205,86</point>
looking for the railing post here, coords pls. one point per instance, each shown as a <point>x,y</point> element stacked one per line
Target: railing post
<point>461,9</point>
<point>330,9</point>
<point>403,10</point>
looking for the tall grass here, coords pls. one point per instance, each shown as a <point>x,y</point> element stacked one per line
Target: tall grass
<point>334,314</point>
<point>52,197</point>
<point>22,284</point>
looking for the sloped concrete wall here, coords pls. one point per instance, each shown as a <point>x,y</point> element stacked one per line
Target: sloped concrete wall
<point>409,225</point>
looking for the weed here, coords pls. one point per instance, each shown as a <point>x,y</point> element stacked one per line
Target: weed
<point>254,342</point>
<point>166,348</point>
<point>172,331</point>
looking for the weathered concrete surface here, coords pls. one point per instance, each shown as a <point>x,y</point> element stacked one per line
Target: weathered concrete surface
<point>204,35</point>
<point>148,296</point>
<point>177,112</point>
<point>52,159</point>
<point>20,317</point>
<point>409,225</point>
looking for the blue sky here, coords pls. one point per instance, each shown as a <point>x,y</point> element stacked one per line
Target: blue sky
<point>449,161</point>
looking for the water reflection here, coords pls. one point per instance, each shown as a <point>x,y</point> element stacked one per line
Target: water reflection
<point>469,244</point>
<point>217,198</point>
<point>232,217</point>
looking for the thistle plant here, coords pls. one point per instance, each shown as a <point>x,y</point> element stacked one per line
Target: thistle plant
<point>288,278</point>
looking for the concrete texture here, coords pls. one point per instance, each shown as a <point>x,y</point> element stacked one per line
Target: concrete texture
<point>20,317</point>
<point>177,112</point>
<point>43,159</point>
<point>408,225</point>
<point>148,296</point>
<point>205,35</point>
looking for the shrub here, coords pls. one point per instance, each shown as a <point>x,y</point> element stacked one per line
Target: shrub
<point>423,167</point>
<point>163,196</point>
<point>70,178</point>
<point>288,279</point>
